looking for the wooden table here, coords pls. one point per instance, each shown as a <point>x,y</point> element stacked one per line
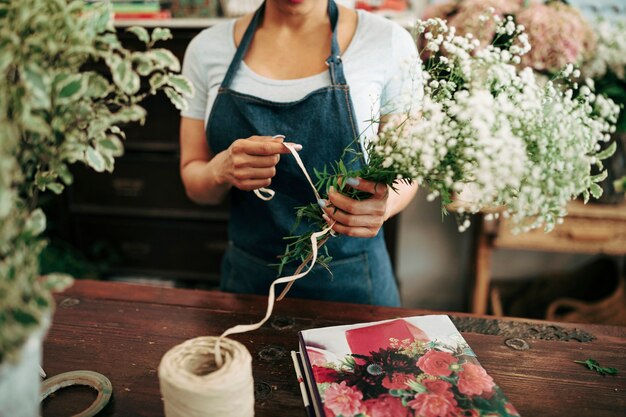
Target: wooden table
<point>588,228</point>
<point>123,330</point>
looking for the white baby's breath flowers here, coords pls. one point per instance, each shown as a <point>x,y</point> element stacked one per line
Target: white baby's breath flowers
<point>610,50</point>
<point>496,132</point>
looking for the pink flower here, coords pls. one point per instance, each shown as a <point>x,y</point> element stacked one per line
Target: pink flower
<point>436,363</point>
<point>397,381</point>
<point>473,380</point>
<point>385,406</point>
<point>323,374</point>
<point>467,19</point>
<point>439,387</point>
<point>342,399</point>
<point>428,404</point>
<point>571,39</point>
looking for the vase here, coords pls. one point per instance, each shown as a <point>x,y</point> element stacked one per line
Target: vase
<point>20,382</point>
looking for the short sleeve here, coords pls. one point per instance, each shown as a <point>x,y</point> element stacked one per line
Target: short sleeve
<point>196,72</point>
<point>403,89</point>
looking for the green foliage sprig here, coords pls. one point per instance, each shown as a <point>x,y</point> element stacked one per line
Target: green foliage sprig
<point>593,365</point>
<point>66,86</point>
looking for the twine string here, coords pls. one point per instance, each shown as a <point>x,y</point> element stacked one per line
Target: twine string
<point>318,239</point>
<point>192,385</point>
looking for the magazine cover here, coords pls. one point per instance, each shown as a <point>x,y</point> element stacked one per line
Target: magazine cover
<point>409,367</point>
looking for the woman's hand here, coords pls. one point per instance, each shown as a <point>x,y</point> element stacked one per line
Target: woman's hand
<point>357,218</point>
<point>249,164</point>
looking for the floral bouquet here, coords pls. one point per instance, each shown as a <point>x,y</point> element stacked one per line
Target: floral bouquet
<point>410,378</point>
<point>559,33</point>
<point>487,133</point>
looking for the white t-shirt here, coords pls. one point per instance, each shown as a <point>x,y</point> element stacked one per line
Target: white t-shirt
<point>381,66</point>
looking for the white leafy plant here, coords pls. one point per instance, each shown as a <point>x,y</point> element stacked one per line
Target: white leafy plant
<point>66,86</point>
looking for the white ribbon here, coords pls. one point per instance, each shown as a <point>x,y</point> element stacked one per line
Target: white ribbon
<point>267,194</point>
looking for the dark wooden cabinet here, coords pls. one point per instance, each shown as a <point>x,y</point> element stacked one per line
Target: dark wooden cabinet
<point>139,214</point>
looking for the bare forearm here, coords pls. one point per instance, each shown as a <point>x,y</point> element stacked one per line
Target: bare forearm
<point>398,201</point>
<point>204,181</point>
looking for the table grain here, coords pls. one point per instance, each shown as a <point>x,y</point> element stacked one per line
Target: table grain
<point>122,331</point>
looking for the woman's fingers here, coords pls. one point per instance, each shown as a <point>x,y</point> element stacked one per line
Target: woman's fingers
<point>353,231</point>
<point>357,218</point>
<point>374,205</point>
<point>253,161</point>
<point>377,189</point>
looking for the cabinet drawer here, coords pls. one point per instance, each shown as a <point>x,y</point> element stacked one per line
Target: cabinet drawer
<point>179,249</point>
<point>142,184</point>
<point>576,234</point>
<point>160,131</point>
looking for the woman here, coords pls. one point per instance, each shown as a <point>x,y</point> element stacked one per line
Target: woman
<point>285,71</point>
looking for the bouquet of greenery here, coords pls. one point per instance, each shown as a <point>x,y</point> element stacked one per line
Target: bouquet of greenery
<point>487,132</point>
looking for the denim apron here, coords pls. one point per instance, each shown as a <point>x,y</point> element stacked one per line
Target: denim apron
<point>323,123</point>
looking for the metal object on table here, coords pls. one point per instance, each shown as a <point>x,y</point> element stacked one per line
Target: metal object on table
<point>517,343</point>
<point>91,379</point>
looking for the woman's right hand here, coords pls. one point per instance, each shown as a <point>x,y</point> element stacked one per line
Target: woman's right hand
<point>250,163</point>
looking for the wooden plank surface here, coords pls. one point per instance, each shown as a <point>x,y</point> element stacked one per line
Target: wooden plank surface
<point>123,330</point>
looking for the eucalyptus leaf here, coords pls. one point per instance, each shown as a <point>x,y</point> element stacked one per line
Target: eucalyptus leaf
<point>181,84</point>
<point>38,85</point>
<point>608,152</point>
<point>165,59</point>
<point>36,222</point>
<point>599,177</point>
<point>57,281</point>
<point>94,159</point>
<point>141,33</point>
<point>71,88</point>
<point>177,100</point>
<point>98,86</point>
<point>55,187</point>
<point>157,81</point>
<point>161,34</point>
<point>596,190</point>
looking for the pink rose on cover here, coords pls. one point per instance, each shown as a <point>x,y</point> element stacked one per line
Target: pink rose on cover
<point>342,399</point>
<point>427,404</point>
<point>439,387</point>
<point>323,374</point>
<point>397,381</point>
<point>385,406</point>
<point>436,363</point>
<point>473,380</point>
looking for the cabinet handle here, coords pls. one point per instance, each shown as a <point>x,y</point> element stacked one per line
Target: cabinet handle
<point>216,246</point>
<point>136,249</point>
<point>128,187</point>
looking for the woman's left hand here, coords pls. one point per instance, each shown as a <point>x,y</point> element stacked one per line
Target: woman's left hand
<point>357,218</point>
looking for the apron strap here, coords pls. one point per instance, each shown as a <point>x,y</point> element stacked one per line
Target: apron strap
<point>334,63</point>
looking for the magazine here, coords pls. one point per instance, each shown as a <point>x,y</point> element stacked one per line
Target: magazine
<point>407,367</point>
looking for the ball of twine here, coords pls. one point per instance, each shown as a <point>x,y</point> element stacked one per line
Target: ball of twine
<point>193,385</point>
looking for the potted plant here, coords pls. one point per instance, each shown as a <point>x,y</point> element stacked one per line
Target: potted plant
<point>66,86</point>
